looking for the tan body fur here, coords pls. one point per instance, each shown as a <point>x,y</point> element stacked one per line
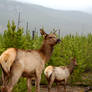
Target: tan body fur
<point>61,73</point>
<point>30,63</point>
<point>28,66</point>
<point>58,74</point>
<point>7,58</point>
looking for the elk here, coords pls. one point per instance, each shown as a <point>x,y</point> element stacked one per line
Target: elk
<point>59,74</point>
<point>30,63</point>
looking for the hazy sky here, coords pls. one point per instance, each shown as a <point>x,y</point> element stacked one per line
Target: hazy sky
<point>63,4</point>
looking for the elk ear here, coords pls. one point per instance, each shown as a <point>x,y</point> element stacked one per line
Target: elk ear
<point>43,33</point>
<point>54,32</point>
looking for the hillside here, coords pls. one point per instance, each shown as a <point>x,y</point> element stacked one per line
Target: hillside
<point>38,16</point>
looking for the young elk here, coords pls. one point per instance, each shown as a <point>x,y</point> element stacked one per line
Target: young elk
<point>30,63</point>
<point>59,74</point>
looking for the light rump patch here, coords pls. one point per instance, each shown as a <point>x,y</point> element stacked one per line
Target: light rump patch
<point>7,58</point>
<point>48,71</point>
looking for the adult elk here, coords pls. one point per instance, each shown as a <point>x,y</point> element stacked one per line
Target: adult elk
<point>59,74</point>
<point>30,63</point>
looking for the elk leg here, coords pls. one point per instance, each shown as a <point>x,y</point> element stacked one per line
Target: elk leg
<point>57,86</point>
<point>4,80</point>
<point>52,78</point>
<point>64,85</point>
<point>37,85</point>
<point>29,84</point>
<point>37,81</point>
<point>15,75</point>
<point>50,85</point>
<point>4,77</point>
<point>14,80</point>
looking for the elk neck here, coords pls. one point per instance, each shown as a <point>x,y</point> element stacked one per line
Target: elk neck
<point>46,50</point>
<point>71,67</point>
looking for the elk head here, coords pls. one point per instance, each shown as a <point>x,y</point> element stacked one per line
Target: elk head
<point>51,38</point>
<point>74,62</point>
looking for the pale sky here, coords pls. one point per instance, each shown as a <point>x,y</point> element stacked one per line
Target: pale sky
<point>81,5</point>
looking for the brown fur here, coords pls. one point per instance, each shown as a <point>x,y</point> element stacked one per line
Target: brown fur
<point>30,63</point>
<point>46,51</point>
<point>72,65</point>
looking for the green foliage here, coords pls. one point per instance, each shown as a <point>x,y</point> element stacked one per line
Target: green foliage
<point>13,37</point>
<point>78,46</point>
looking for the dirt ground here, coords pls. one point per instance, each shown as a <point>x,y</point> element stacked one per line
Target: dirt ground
<point>61,89</point>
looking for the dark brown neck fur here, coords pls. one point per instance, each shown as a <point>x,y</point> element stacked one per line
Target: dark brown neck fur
<point>71,67</point>
<point>46,50</point>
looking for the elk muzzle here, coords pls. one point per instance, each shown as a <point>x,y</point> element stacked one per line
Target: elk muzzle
<point>58,41</point>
